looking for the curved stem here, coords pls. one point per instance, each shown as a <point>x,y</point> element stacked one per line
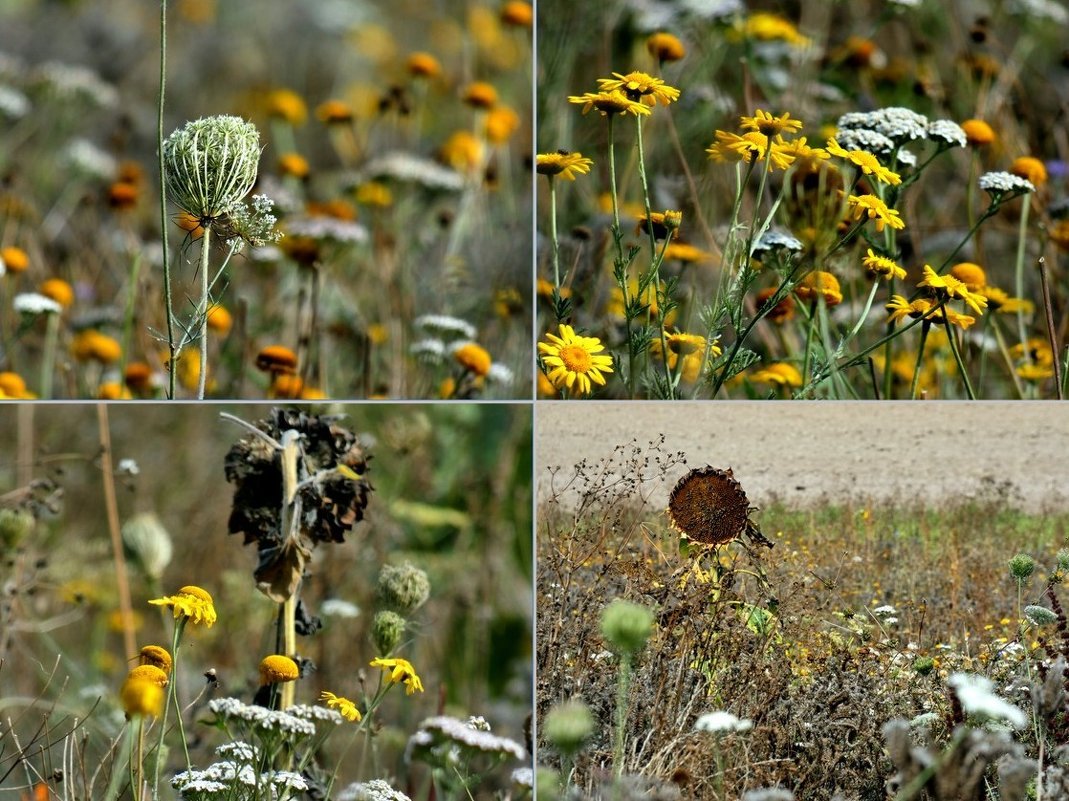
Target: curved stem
<point>1019,271</point>
<point>925,327</point>
<point>961,365</point>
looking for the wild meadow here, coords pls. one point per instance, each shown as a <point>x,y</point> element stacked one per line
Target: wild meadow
<point>802,200</point>
<point>347,207</point>
<point>889,651</point>
<point>247,602</point>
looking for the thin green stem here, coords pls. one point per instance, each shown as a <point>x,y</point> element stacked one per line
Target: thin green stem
<point>202,311</point>
<point>925,327</point>
<point>952,337</point>
<point>553,230</point>
<point>622,690</point>
<point>48,358</point>
<point>1022,232</point>
<point>167,300</point>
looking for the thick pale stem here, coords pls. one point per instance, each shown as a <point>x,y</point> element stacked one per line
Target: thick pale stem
<point>48,359</point>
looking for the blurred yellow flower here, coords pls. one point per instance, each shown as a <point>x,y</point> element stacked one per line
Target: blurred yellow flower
<point>500,123</point>
<point>423,65</point>
<point>779,374</point>
<point>614,102</point>
<point>769,125</point>
<point>882,267</point>
<point>473,357</point>
<point>875,209</point>
<point>820,284</point>
<point>287,105</point>
<point>665,47</point>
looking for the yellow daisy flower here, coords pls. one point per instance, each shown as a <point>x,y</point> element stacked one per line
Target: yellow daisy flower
<point>566,165</point>
<point>953,288</point>
<point>572,361</point>
<point>875,209</point>
<point>868,163</point>
<point>190,602</point>
<point>778,374</point>
<point>639,86</point>
<point>882,267</point>
<point>767,124</point>
<point>614,102</point>
<point>345,707</point>
<point>401,670</point>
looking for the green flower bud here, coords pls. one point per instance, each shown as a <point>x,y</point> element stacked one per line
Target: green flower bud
<point>405,588</point>
<point>211,164</point>
<point>924,665</point>
<point>148,543</point>
<point>1021,567</point>
<point>626,626</point>
<point>568,727</point>
<point>15,524</point>
<point>386,631</point>
<point>1063,560</point>
<point>547,784</point>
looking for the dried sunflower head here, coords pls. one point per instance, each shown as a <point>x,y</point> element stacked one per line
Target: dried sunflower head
<point>332,494</point>
<point>709,506</point>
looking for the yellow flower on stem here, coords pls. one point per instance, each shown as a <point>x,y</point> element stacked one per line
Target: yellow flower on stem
<point>345,707</point>
<point>751,147</point>
<point>882,267</point>
<point>951,287</point>
<point>901,308</point>
<point>400,670</point>
<point>665,47</point>
<point>769,125</point>
<point>875,209</point>
<point>639,86</point>
<point>157,656</point>
<point>473,357</point>
<point>972,275</point>
<point>572,361</point>
<point>820,283</point>
<point>1000,301</point>
<point>614,102</point>
<point>566,165</point>
<point>190,602</point>
<point>868,163</point>
<point>779,374</point>
<point>278,669</point>
<point>142,692</point>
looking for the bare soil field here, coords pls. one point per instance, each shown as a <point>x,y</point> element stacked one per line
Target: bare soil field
<point>810,454</point>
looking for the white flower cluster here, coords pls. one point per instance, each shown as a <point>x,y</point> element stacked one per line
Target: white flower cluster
<point>428,350</point>
<point>239,751</point>
<point>73,80</point>
<point>523,777</point>
<point>865,139</point>
<point>337,607</point>
<point>346,232</point>
<point>315,713</point>
<point>947,132</point>
<point>85,157</point>
<point>771,240</point>
<point>898,124</point>
<point>769,793</point>
<point>406,167</point>
<point>225,771</point>
<point>453,731</point>
<point>722,723</point>
<point>36,303</point>
<point>1048,10</point>
<point>261,717</point>
<point>223,778</point>
<point>886,614</point>
<point>13,103</point>
<point>255,222</point>
<point>1000,182</point>
<point>374,790</point>
<point>905,158</point>
<point>446,327</point>
<point>977,697</point>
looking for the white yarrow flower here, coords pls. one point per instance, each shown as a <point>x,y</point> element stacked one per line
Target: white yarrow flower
<point>722,723</point>
<point>977,697</point>
<point>36,303</point>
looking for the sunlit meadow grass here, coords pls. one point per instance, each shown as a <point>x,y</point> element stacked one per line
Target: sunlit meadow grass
<point>342,644</point>
<point>393,139</point>
<point>784,668</point>
<point>826,200</point>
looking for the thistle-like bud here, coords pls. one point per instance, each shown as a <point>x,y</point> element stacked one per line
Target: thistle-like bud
<point>211,164</point>
<point>568,727</point>
<point>148,542</point>
<point>626,626</point>
<point>15,524</point>
<point>1021,567</point>
<point>404,588</point>
<point>386,631</point>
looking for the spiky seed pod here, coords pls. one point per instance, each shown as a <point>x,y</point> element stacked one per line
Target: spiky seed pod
<point>211,164</point>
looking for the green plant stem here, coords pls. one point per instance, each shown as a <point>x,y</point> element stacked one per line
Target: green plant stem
<point>953,339</point>
<point>617,238</point>
<point>167,300</point>
<point>112,792</point>
<point>48,358</point>
<point>205,247</point>
<point>1052,337</point>
<point>645,187</point>
<point>1022,232</point>
<point>925,328</point>
<point>807,359</point>
<point>553,230</point>
<point>622,690</point>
